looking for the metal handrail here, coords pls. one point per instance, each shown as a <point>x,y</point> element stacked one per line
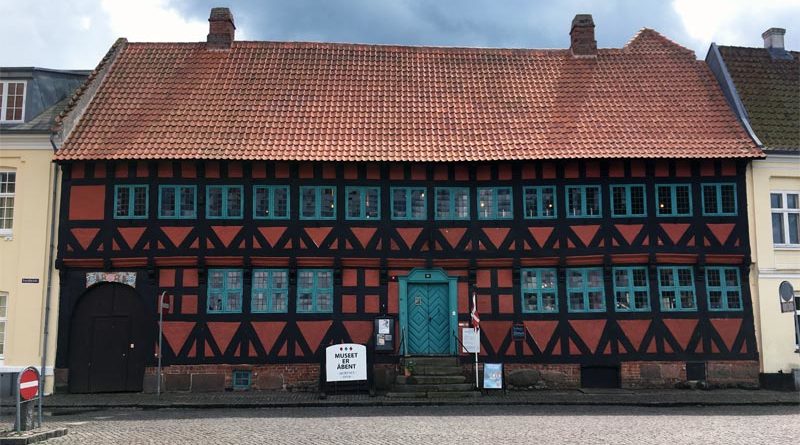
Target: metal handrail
<point>402,342</point>
<point>455,334</point>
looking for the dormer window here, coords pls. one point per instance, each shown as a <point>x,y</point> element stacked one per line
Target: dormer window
<point>12,101</point>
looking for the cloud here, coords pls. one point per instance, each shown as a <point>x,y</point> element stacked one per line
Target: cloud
<point>151,21</point>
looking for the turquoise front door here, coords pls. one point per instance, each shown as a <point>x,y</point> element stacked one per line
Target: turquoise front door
<point>428,321</point>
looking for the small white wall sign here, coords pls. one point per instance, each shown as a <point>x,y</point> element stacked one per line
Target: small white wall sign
<point>345,362</point>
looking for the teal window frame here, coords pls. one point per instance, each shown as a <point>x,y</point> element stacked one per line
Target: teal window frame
<point>494,207</point>
<point>583,205</point>
<point>229,287</point>
<point>314,291</point>
<point>178,201</point>
<point>725,289</point>
<point>717,187</point>
<point>271,202</point>
<point>131,188</point>
<point>362,196</point>
<point>630,289</point>
<point>318,214</point>
<point>540,210</point>
<point>224,189</point>
<point>242,379</point>
<point>452,203</point>
<point>270,288</point>
<point>676,288</point>
<point>628,188</point>
<point>586,289</point>
<point>538,290</point>
<point>409,194</point>
<point>673,204</point>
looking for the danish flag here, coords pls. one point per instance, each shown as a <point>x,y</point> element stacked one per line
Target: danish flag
<point>476,320</point>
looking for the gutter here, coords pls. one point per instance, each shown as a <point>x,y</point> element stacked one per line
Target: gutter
<point>49,273</point>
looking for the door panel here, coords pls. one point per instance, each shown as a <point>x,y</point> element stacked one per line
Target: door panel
<point>428,321</point>
<point>109,354</point>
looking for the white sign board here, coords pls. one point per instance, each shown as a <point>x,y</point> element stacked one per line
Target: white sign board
<point>471,339</point>
<point>346,362</point>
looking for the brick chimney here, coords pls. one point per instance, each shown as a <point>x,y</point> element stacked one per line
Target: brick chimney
<point>221,29</point>
<point>773,38</point>
<point>582,42</point>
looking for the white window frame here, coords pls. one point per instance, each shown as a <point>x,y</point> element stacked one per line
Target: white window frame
<point>784,211</point>
<point>5,327</point>
<point>9,232</point>
<point>4,96</point>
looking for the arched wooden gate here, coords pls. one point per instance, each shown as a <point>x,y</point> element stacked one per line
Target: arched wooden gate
<point>109,335</point>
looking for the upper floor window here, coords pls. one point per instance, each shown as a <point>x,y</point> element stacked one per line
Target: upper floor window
<point>724,289</point>
<point>270,291</point>
<point>409,203</point>
<point>785,215</point>
<point>583,201</point>
<point>130,201</point>
<point>674,200</point>
<point>495,203</point>
<point>719,199</point>
<point>676,288</point>
<point>452,203</point>
<point>8,187</point>
<point>628,200</point>
<point>224,201</point>
<point>539,202</point>
<point>539,290</point>
<point>177,201</point>
<point>225,290</point>
<point>363,203</point>
<point>318,202</point>
<point>631,289</point>
<point>12,101</point>
<point>586,290</point>
<point>314,290</point>
<point>271,202</point>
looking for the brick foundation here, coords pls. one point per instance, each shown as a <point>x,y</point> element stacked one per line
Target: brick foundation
<point>291,377</point>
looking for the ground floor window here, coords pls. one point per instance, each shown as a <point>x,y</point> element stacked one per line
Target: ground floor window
<point>676,288</point>
<point>586,290</point>
<point>631,289</point>
<point>724,289</point>
<point>270,290</point>
<point>225,291</point>
<point>314,290</point>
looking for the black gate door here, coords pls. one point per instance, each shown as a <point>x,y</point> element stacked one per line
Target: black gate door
<point>108,340</point>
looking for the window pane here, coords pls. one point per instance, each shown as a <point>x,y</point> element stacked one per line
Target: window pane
<point>731,278</point>
<point>664,201</point>
<point>776,200</point>
<point>683,200</point>
<point>304,301</point>
<point>234,202</point>
<point>685,277</point>
<point>576,301</point>
<point>262,202</point>
<point>140,201</point>
<point>596,301</point>
<point>531,203</point>
<point>687,299</point>
<point>592,201</point>
<point>791,200</point>
<point>323,302</point>
<point>575,279</point>
<point>504,203</point>
<point>713,277</point>
<point>621,278</point>
<point>575,196</point>
<point>281,201</point>
<point>442,203</point>
<point>710,199</point>
<point>328,202</point>
<point>595,278</point>
<point>309,204</point>
<point>794,228</point>
<point>530,300</point>
<point>371,203</point>
<point>418,204</point>
<point>620,204</point>
<point>637,200</point>
<point>777,229</point>
<point>485,203</point>
<point>214,204</point>
<point>168,201</point>
<point>734,300</point>
<point>715,299</point>
<point>399,203</point>
<point>728,199</point>
<point>305,280</point>
<point>668,299</point>
<point>640,277</point>
<point>279,301</point>
<point>548,279</point>
<point>548,199</point>
<point>354,203</point>
<point>260,279</point>
<point>665,277</point>
<point>549,301</point>
<point>324,280</point>
<point>187,202</point>
<point>462,204</point>
<point>641,300</point>
<point>123,200</point>
<point>279,280</point>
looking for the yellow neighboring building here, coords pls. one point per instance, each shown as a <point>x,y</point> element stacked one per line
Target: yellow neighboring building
<point>762,85</point>
<point>30,98</point>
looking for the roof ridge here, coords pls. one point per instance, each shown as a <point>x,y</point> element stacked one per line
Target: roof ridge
<point>650,33</point>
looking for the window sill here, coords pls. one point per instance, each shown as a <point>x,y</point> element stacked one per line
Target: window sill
<point>787,247</point>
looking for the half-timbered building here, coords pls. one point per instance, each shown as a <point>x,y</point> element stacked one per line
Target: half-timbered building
<point>283,195</point>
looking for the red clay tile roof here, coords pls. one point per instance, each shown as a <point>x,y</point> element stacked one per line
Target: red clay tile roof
<point>326,101</point>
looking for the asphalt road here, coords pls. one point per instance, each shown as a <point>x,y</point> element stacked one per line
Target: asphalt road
<point>434,425</point>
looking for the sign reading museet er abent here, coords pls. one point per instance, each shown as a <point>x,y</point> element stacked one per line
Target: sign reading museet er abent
<point>346,362</point>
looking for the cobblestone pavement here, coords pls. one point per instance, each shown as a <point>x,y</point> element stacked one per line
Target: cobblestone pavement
<point>749,425</point>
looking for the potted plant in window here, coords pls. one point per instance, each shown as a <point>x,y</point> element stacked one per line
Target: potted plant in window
<point>408,367</point>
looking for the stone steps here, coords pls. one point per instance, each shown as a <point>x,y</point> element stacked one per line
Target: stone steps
<point>433,377</point>
<point>427,388</point>
<point>433,394</point>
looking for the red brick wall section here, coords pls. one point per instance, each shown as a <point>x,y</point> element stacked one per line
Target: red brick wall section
<point>290,377</point>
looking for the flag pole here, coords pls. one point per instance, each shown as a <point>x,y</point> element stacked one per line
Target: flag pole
<point>475,319</point>
<point>160,340</point>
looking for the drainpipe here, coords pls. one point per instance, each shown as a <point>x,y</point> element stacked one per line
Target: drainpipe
<point>53,234</point>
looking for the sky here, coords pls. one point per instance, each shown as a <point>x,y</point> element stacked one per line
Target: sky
<point>75,34</point>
